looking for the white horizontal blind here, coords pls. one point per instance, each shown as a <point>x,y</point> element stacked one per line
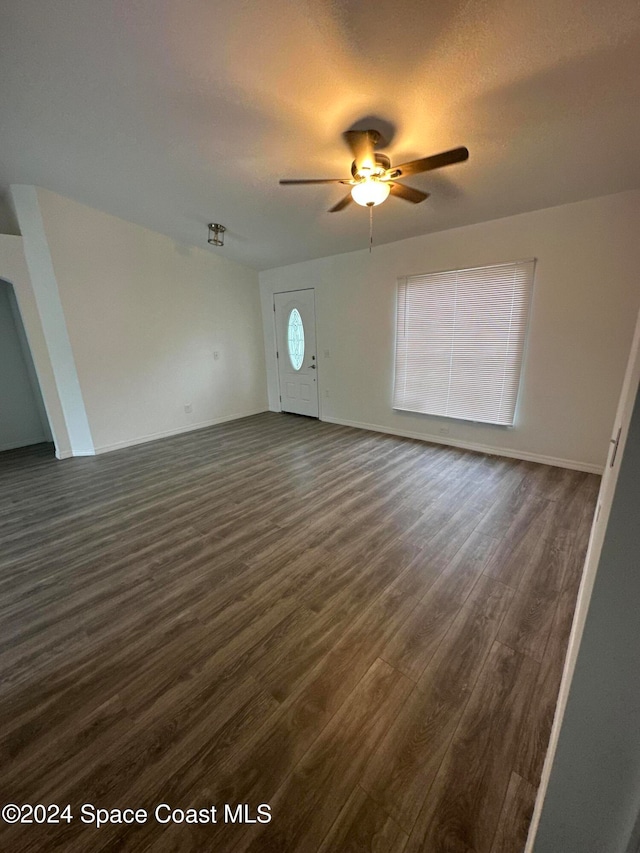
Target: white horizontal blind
<point>460,340</point>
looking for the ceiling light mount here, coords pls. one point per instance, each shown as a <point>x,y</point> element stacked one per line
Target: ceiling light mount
<point>216,234</point>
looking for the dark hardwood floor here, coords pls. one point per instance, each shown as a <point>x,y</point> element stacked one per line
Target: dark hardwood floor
<point>364,632</point>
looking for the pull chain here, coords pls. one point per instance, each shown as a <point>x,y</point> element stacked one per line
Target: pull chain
<point>370,227</point>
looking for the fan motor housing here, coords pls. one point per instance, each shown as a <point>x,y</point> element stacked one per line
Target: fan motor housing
<point>382,164</point>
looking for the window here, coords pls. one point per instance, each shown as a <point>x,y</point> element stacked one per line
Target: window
<point>460,341</point>
<point>295,339</point>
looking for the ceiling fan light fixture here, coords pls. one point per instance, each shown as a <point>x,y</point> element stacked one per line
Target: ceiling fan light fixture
<point>370,192</point>
<point>216,234</point>
<point>372,176</point>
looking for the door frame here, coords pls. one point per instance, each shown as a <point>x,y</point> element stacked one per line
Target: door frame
<point>29,361</point>
<point>275,338</point>
<point>630,389</point>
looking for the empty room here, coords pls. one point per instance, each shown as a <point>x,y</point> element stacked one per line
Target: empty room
<point>319,438</point>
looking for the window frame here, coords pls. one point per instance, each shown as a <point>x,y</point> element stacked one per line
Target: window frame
<point>454,327</point>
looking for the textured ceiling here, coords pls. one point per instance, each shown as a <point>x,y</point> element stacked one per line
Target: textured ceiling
<point>175,114</point>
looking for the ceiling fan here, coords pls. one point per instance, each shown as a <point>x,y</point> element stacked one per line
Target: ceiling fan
<point>372,176</point>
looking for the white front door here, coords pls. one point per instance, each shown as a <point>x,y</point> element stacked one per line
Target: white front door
<point>296,347</point>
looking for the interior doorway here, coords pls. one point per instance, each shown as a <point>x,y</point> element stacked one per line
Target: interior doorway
<point>23,418</point>
<point>295,319</point>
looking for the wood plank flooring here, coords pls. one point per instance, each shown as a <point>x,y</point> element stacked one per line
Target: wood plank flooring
<point>364,632</point>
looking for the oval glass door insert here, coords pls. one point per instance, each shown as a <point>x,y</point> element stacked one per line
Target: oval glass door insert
<point>295,339</point>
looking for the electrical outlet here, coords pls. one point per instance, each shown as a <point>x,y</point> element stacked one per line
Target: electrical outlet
<point>216,355</point>
<point>188,408</point>
<point>326,392</point>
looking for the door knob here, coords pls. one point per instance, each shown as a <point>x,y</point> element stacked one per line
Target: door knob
<point>311,366</point>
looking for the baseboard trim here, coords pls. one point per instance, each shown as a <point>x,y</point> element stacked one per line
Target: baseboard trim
<point>155,436</point>
<point>572,464</point>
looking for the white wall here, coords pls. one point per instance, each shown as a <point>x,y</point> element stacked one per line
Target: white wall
<point>20,420</point>
<point>144,317</point>
<point>586,297</point>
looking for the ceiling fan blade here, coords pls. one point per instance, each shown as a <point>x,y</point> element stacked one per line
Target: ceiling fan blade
<point>341,204</point>
<point>315,181</point>
<point>408,193</point>
<point>426,164</point>
<point>362,143</point>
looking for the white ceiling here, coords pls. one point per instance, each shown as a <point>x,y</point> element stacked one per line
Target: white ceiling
<point>175,113</point>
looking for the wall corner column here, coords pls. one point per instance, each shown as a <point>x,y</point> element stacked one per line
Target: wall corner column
<point>51,313</point>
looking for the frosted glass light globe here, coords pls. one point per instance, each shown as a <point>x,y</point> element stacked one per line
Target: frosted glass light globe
<point>370,192</point>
